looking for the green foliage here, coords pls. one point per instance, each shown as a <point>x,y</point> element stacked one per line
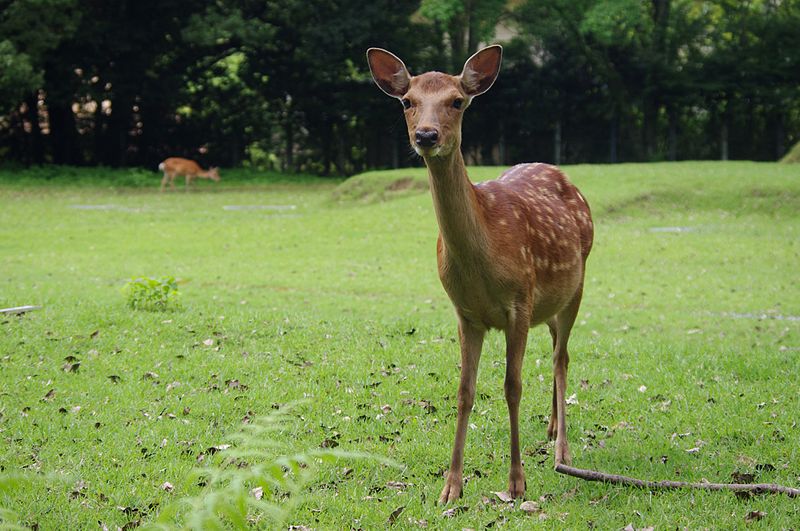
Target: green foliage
<point>145,293</point>
<point>9,520</point>
<point>17,75</point>
<point>251,483</point>
<point>441,10</point>
<point>623,80</point>
<point>615,22</point>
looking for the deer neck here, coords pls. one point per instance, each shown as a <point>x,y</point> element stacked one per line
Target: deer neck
<point>455,201</point>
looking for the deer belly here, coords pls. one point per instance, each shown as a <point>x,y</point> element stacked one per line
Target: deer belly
<point>552,296</point>
<point>476,303</point>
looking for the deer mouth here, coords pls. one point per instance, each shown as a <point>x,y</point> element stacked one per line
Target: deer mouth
<point>428,151</point>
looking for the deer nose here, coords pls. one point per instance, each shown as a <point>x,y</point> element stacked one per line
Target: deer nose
<point>426,137</point>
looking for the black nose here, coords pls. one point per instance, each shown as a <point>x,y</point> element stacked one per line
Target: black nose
<point>426,137</point>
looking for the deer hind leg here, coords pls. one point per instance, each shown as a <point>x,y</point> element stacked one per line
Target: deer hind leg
<point>471,339</point>
<point>564,321</point>
<point>552,427</point>
<point>516,339</point>
<point>164,181</point>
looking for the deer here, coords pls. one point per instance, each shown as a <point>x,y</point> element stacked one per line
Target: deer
<point>511,252</point>
<point>174,166</point>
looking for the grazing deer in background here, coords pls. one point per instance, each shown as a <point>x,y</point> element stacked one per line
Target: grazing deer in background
<point>174,166</point>
<point>511,252</point>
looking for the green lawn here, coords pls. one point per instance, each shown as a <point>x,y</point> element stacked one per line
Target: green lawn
<point>685,356</point>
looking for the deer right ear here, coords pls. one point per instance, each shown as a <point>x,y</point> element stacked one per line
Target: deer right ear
<point>389,72</point>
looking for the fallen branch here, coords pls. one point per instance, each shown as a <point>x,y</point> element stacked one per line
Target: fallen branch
<point>19,310</point>
<point>755,488</point>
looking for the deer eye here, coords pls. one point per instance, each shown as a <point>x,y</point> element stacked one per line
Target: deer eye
<point>458,103</point>
<point>406,103</point>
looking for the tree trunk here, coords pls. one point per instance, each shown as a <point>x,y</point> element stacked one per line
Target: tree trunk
<point>780,136</point>
<point>118,129</point>
<point>673,134</point>
<point>723,140</point>
<point>650,111</point>
<point>63,135</point>
<point>557,144</point>
<point>341,149</point>
<point>613,137</point>
<point>501,146</point>
<point>288,133</point>
<point>36,154</point>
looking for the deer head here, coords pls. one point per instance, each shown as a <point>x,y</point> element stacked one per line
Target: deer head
<point>434,102</point>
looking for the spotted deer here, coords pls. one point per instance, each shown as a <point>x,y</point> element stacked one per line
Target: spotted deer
<point>511,252</point>
<point>175,166</point>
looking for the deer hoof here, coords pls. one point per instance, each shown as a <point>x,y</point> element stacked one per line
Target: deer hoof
<point>552,429</point>
<point>562,455</point>
<point>451,491</point>
<point>516,484</point>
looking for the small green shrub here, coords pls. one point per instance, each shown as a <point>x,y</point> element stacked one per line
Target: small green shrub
<point>252,483</point>
<point>144,293</point>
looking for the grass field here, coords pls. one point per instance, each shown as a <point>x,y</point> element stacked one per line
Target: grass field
<point>685,356</point>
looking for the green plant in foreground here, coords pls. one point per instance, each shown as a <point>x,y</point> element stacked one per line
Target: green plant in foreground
<point>9,520</point>
<point>144,293</point>
<point>250,483</point>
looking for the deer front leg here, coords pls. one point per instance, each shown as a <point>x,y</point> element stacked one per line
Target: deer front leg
<point>471,339</point>
<point>516,339</point>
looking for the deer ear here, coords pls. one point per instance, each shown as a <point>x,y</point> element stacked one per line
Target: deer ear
<point>481,70</point>
<point>389,72</point>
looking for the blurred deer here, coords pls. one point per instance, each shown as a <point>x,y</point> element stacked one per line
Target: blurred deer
<point>175,166</point>
<point>511,252</point>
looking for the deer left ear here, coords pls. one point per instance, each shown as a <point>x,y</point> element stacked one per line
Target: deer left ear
<point>481,70</point>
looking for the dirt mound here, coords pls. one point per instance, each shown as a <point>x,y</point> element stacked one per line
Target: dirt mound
<point>372,187</point>
<point>793,155</point>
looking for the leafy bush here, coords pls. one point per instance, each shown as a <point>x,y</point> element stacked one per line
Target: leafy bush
<point>144,293</point>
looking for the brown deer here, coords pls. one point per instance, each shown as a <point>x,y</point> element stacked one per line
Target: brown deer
<point>174,166</point>
<point>511,252</point>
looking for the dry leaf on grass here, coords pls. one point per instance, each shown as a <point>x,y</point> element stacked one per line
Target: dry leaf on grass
<point>504,497</point>
<point>393,517</point>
